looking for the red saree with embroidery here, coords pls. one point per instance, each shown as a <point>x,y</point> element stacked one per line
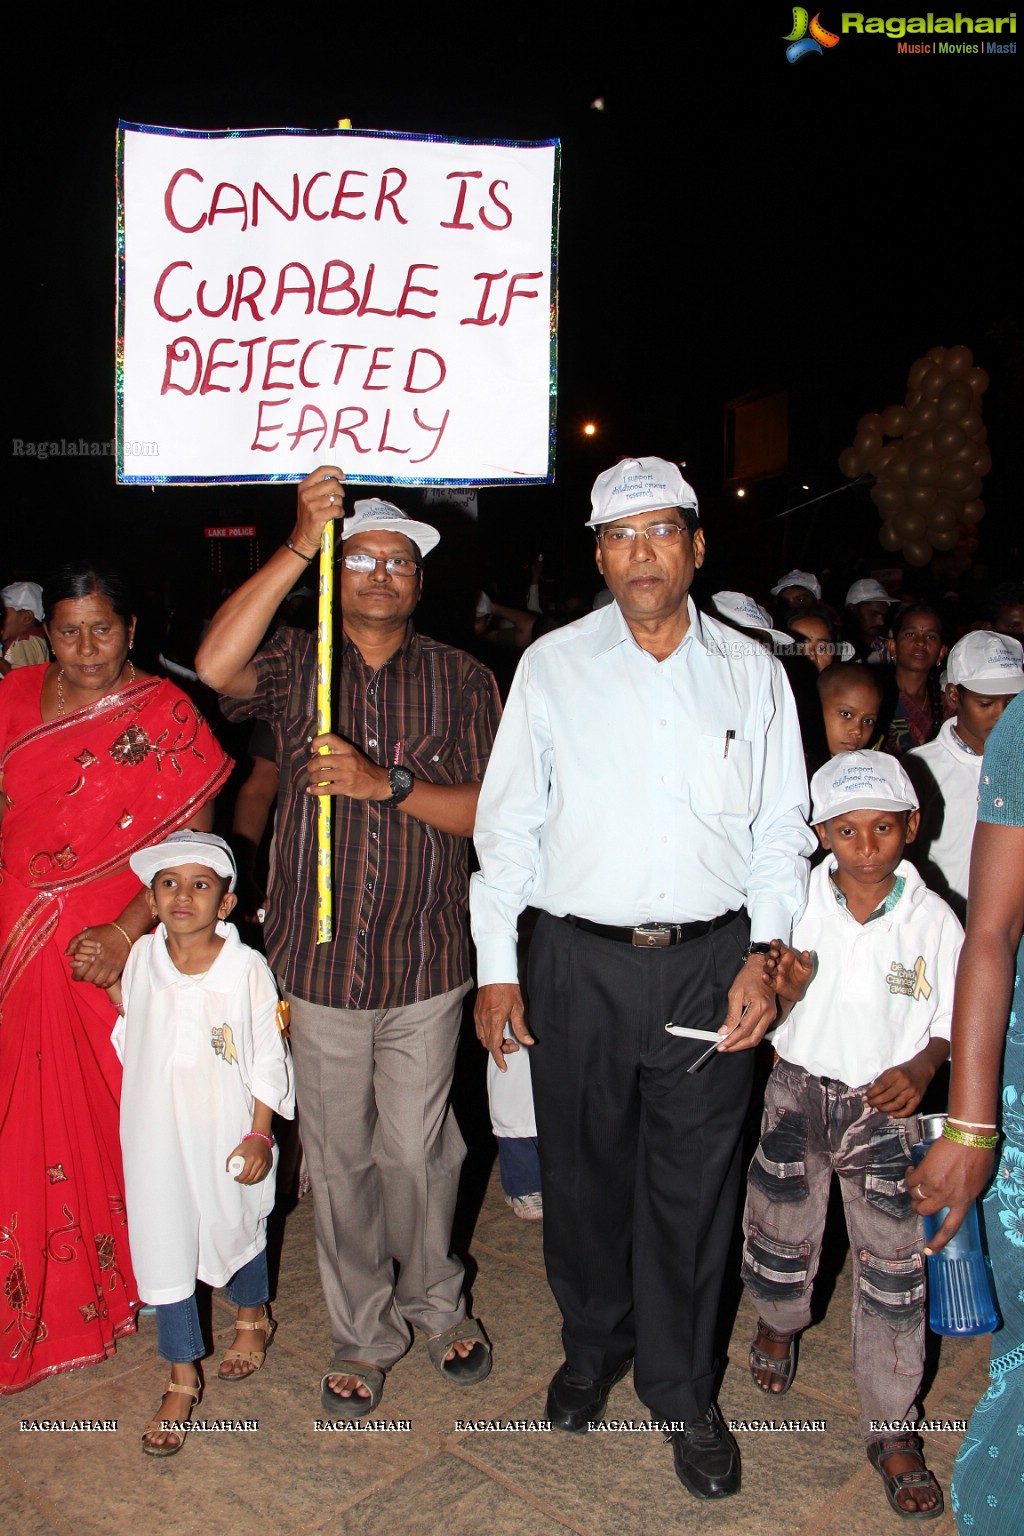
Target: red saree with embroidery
<point>83,792</point>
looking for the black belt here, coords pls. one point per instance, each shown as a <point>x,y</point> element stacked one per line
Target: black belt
<point>652,935</point>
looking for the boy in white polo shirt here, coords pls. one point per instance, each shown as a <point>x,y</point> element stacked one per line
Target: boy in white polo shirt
<point>983,673</point>
<point>856,1053</point>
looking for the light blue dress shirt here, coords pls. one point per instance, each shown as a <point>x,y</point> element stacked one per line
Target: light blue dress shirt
<point>627,790</point>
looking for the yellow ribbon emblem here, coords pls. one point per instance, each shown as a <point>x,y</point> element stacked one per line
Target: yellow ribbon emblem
<point>922,988</point>
<point>223,1042</point>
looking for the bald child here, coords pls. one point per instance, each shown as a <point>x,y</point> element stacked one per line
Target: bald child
<point>851,697</point>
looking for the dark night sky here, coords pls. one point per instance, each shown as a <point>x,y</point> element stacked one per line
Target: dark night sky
<point>729,221</point>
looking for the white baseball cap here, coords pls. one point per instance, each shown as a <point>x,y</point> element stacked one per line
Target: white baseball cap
<point>860,781</point>
<point>376,516</point>
<point>798,579</point>
<point>867,591</point>
<point>639,485</point>
<point>738,608</point>
<point>987,662</point>
<point>185,847</point>
<point>24,597</point>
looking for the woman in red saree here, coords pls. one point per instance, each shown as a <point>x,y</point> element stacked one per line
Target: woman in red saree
<point>96,760</point>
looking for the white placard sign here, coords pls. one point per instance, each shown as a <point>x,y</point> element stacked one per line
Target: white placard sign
<point>289,298</point>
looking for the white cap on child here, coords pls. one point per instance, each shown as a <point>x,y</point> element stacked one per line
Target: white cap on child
<point>860,781</point>
<point>739,608</point>
<point>185,847</point>
<point>867,591</point>
<point>986,662</point>
<point>799,579</point>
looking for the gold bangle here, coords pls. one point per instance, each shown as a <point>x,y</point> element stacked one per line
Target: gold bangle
<point>967,1139</point>
<point>128,940</point>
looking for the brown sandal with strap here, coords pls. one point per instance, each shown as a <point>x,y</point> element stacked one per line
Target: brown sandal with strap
<point>159,1426</point>
<point>463,1370</point>
<point>251,1357</point>
<point>781,1368</point>
<point>896,1483</point>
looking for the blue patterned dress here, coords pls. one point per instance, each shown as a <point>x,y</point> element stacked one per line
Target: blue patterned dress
<point>988,1480</point>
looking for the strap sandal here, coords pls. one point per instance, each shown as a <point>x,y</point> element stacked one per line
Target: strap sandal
<point>897,1482</point>
<point>254,1358</point>
<point>156,1426</point>
<point>354,1407</point>
<point>461,1370</point>
<point>781,1369</point>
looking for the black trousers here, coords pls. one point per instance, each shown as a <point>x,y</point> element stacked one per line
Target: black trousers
<point>640,1163</point>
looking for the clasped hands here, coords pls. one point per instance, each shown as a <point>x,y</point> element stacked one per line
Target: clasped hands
<point>98,954</point>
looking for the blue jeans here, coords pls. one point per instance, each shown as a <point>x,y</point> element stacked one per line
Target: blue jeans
<point>178,1334</point>
<point>519,1165</point>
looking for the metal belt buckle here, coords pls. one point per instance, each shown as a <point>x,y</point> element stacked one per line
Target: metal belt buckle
<point>652,936</point>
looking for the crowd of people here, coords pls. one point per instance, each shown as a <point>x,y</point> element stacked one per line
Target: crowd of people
<point>654,891</point>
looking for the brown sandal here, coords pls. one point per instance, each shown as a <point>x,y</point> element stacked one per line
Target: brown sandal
<point>897,1482</point>
<point>253,1357</point>
<point>156,1426</point>
<point>463,1370</point>
<point>782,1369</point>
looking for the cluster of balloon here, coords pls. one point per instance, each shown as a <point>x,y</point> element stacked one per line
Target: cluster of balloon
<point>928,457</point>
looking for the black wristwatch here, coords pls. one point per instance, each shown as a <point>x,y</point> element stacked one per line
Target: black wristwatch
<point>760,948</point>
<point>401,781</point>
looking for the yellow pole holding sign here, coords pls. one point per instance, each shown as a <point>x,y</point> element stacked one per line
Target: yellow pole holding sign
<point>324,653</point>
<point>324,650</point>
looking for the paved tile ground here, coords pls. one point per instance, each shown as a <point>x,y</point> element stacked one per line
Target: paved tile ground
<point>434,1479</point>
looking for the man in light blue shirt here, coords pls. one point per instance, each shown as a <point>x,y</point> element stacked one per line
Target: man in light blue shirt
<point>647,794</point>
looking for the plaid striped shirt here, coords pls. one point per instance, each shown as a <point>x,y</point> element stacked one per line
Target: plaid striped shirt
<point>400,887</point>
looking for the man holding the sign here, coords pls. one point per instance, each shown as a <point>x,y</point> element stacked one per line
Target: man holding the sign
<point>375,1013</point>
<point>647,793</point>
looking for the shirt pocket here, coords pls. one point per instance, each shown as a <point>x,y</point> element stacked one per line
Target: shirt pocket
<point>722,779</point>
<point>430,757</point>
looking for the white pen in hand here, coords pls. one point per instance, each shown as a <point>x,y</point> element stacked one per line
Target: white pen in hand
<point>702,1058</point>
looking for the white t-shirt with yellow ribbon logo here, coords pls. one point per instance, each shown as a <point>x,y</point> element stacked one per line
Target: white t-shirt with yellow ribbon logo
<point>882,989</point>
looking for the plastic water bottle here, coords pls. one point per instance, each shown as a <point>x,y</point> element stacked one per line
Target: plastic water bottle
<point>960,1300</point>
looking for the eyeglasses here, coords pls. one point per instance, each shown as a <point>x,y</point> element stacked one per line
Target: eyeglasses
<point>660,533</point>
<point>395,565</point>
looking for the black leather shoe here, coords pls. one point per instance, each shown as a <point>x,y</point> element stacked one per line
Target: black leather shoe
<point>707,1457</point>
<point>575,1402</point>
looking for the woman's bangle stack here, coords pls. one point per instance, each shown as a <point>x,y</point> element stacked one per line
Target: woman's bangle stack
<point>953,1132</point>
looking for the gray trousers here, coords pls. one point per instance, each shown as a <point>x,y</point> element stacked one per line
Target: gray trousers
<point>384,1153</point>
<point>812,1127</point>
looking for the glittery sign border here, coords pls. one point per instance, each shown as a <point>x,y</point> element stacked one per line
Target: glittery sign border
<point>255,133</point>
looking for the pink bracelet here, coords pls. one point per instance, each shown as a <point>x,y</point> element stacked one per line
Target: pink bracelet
<point>259,1136</point>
